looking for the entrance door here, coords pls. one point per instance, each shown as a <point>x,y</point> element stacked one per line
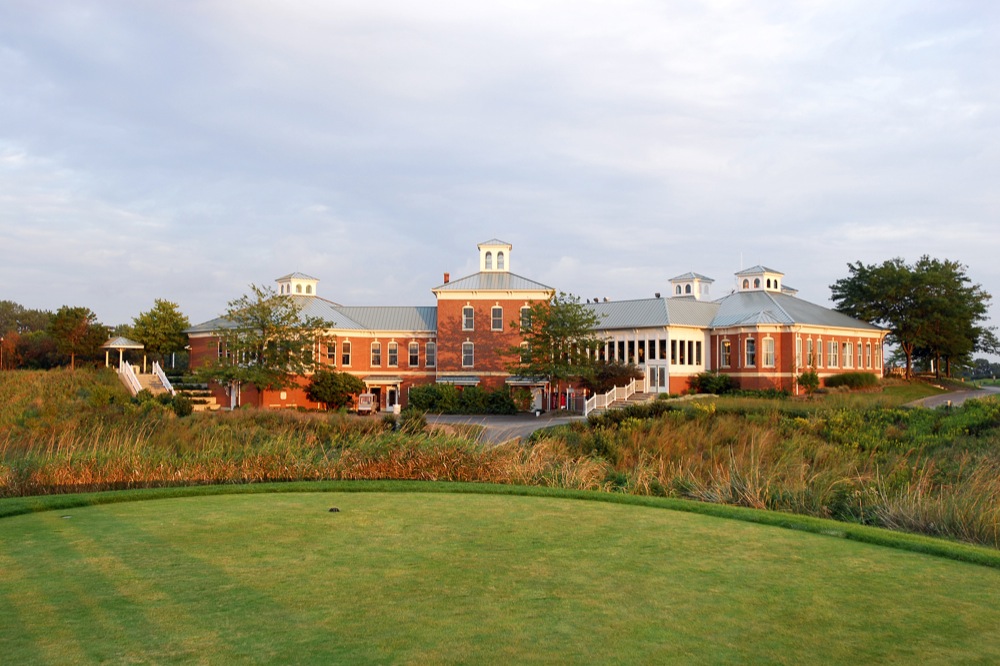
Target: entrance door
<point>377,390</point>
<point>391,399</point>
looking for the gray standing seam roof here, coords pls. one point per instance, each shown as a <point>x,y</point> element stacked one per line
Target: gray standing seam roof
<point>493,281</point>
<point>652,313</point>
<point>755,307</point>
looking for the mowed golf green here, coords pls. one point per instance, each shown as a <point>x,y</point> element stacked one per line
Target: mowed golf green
<point>463,578</point>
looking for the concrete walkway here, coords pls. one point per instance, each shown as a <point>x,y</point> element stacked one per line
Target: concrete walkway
<point>500,429</point>
<point>955,397</point>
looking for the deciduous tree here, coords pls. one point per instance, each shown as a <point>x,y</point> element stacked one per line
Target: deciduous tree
<point>930,308</point>
<point>265,340</point>
<point>76,332</point>
<point>559,341</point>
<point>161,329</point>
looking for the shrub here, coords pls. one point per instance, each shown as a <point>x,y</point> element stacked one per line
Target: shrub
<point>852,380</point>
<point>712,382</point>
<point>182,405</point>
<point>809,381</point>
<point>448,399</point>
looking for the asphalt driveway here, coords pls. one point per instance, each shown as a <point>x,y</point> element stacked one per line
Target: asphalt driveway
<point>500,429</point>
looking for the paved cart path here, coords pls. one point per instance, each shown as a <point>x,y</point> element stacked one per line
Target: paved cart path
<point>956,397</point>
<point>499,429</point>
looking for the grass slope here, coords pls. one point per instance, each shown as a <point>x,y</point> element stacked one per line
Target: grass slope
<point>465,578</point>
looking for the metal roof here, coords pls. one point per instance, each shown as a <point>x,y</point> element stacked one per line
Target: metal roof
<point>692,276</point>
<point>755,307</point>
<point>495,241</point>
<point>122,343</point>
<point>757,270</point>
<point>297,276</point>
<point>493,281</point>
<point>392,318</point>
<point>458,380</point>
<point>340,317</point>
<point>653,312</point>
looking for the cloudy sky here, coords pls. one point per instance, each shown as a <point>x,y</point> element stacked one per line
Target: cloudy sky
<point>186,149</point>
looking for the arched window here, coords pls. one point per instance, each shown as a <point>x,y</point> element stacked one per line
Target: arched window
<point>776,285</point>
<point>756,283</point>
<point>489,261</point>
<point>746,284</point>
<point>309,289</point>
<point>687,289</point>
<point>678,290</point>
<point>768,283</point>
<point>298,289</point>
<point>500,261</point>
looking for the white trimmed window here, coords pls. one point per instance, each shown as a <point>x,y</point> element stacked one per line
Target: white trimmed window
<point>848,354</point>
<point>414,354</point>
<point>393,354</point>
<point>468,354</point>
<point>496,318</point>
<point>525,317</point>
<point>750,352</point>
<point>831,354</point>
<point>430,354</point>
<point>725,353</point>
<point>768,352</point>
<point>868,355</point>
<point>810,361</point>
<point>819,353</point>
<point>331,353</point>
<point>798,352</point>
<point>376,354</point>
<point>345,353</point>
<point>468,318</point>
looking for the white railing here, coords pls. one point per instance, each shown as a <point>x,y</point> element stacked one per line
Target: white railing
<point>127,375</point>
<point>158,371</point>
<point>614,395</point>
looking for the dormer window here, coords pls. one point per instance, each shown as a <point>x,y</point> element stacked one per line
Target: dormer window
<point>678,290</point>
<point>489,261</point>
<point>309,289</point>
<point>687,289</point>
<point>746,284</point>
<point>298,289</point>
<point>500,261</point>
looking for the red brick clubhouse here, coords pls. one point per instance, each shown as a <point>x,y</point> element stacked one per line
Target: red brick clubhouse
<point>761,334</point>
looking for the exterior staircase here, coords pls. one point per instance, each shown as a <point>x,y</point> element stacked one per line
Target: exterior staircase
<point>634,399</point>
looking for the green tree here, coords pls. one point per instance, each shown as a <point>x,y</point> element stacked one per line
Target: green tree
<point>930,308</point>
<point>15,318</point>
<point>161,330</point>
<point>334,389</point>
<point>264,340</point>
<point>76,332</point>
<point>559,342</point>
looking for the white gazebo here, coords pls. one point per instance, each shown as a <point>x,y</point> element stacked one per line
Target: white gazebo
<point>121,344</point>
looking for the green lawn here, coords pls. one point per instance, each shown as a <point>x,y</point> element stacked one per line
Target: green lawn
<point>468,578</point>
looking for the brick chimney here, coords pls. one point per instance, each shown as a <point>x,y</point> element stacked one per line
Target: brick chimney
<point>447,278</point>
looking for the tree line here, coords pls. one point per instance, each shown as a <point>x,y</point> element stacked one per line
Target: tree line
<point>42,339</point>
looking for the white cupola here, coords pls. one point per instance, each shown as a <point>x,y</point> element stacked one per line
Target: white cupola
<point>494,256</point>
<point>691,285</point>
<point>759,278</point>
<point>297,284</point>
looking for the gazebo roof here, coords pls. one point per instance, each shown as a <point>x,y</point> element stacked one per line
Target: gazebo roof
<point>122,343</point>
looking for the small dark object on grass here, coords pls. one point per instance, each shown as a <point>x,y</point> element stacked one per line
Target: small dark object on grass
<point>334,509</point>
